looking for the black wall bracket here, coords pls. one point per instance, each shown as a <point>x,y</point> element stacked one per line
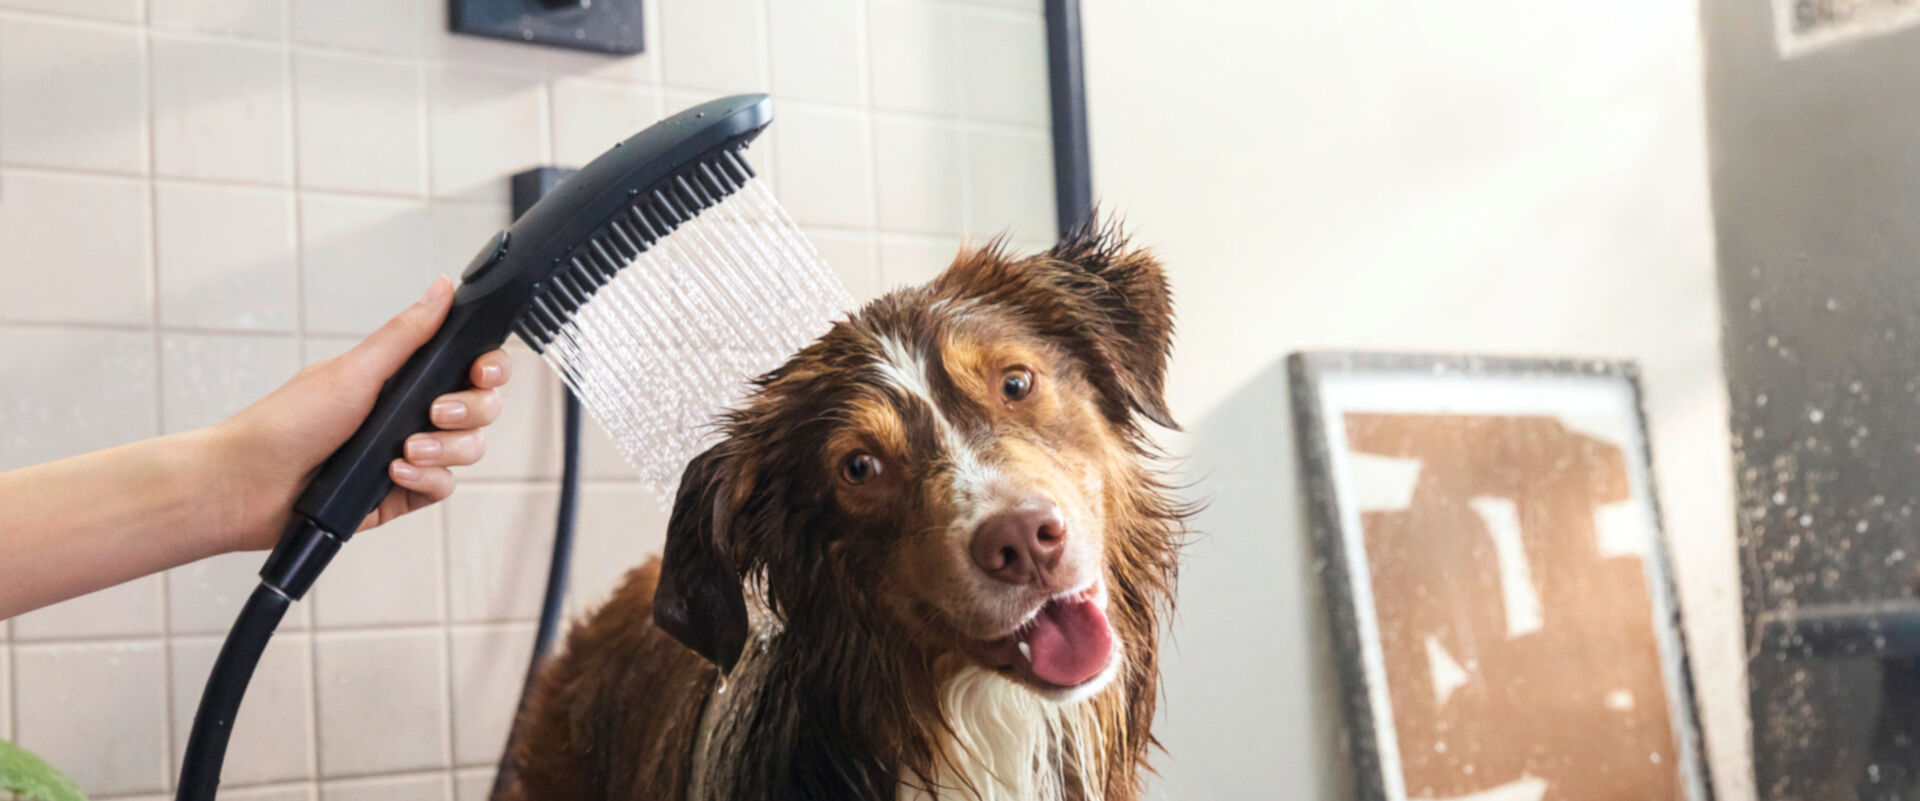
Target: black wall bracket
<point>599,26</point>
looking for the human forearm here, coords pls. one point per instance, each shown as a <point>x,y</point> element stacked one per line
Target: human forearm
<point>92,521</point>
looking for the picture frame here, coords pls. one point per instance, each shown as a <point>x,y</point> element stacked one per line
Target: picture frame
<point>1503,611</point>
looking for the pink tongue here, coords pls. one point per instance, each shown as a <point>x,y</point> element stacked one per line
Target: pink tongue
<point>1070,643</point>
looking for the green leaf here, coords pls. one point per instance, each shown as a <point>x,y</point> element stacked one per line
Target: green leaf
<point>24,775</point>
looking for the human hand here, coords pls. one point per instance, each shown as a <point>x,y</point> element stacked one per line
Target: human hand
<point>270,450</point>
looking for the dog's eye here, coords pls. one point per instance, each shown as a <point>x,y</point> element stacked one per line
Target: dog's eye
<point>860,468</point>
<point>1017,383</point>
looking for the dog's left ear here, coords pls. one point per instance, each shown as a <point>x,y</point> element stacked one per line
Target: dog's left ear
<point>1124,307</point>
<point>699,600</point>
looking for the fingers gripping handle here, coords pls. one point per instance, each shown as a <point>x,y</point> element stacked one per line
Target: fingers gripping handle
<point>352,482</point>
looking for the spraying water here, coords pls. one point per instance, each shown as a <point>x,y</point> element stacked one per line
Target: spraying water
<point>654,377</point>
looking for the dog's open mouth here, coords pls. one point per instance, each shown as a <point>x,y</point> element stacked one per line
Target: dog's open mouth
<point>1067,643</point>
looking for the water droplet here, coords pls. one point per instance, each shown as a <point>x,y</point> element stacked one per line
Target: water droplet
<point>1833,304</point>
<point>1816,415</point>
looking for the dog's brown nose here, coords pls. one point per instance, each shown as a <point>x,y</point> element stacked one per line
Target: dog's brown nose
<point>1020,545</point>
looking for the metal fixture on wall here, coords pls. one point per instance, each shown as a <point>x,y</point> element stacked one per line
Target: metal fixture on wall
<point>1066,84</point>
<point>599,26</point>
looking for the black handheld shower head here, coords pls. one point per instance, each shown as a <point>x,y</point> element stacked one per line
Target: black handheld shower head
<point>529,279</point>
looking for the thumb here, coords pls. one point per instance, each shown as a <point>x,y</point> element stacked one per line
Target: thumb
<point>380,355</point>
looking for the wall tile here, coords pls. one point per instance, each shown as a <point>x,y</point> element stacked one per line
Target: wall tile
<point>621,526</point>
<point>119,10</point>
<point>853,258</point>
<point>714,44</point>
<point>459,229</point>
<point>226,257</point>
<point>426,787</point>
<point>204,597</point>
<point>392,27</point>
<point>908,261</point>
<point>382,701</point>
<point>631,70</point>
<point>485,126</point>
<point>96,710</point>
<point>915,54</point>
<point>489,667</point>
<point>829,172</point>
<point>86,239</point>
<point>73,96</point>
<point>365,260</point>
<point>273,737</point>
<point>473,784</point>
<point>205,379</point>
<point>260,19</point>
<point>220,111</point>
<point>918,174</point>
<point>817,48</point>
<point>361,124</point>
<point>1006,68</point>
<point>1010,185</point>
<point>589,117</point>
<point>69,392</point>
<point>499,545</point>
<point>131,609</point>
<point>387,576</point>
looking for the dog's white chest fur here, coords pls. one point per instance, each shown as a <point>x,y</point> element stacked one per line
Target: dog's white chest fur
<point>1007,745</point>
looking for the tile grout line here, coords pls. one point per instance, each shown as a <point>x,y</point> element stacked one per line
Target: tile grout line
<point>863,71</point>
<point>430,89</point>
<point>873,137</point>
<point>310,699</point>
<point>168,731</point>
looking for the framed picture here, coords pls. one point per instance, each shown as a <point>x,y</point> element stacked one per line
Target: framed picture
<point>1503,607</point>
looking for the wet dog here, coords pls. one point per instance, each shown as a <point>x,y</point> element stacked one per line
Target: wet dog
<point>928,559</point>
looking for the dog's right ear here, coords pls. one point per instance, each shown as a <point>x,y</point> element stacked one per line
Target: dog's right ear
<point>699,600</point>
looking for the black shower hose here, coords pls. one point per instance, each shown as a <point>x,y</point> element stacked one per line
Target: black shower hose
<point>233,668</point>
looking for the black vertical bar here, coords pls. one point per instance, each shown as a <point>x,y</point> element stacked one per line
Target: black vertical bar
<point>1066,82</point>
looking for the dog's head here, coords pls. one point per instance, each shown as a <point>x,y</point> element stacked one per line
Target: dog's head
<point>957,471</point>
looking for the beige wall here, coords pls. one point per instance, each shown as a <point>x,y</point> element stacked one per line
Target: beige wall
<point>198,196</point>
<point>1492,176</point>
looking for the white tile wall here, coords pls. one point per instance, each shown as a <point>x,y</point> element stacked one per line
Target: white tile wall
<point>258,19</point>
<point>918,188</point>
<point>589,116</point>
<point>198,196</point>
<point>73,95</point>
<point>818,50</point>
<point>96,710</point>
<point>393,683</point>
<point>220,110</point>
<point>360,124</point>
<point>75,231</point>
<point>243,277</point>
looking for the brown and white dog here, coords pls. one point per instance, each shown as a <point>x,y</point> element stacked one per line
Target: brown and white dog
<point>928,560</point>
